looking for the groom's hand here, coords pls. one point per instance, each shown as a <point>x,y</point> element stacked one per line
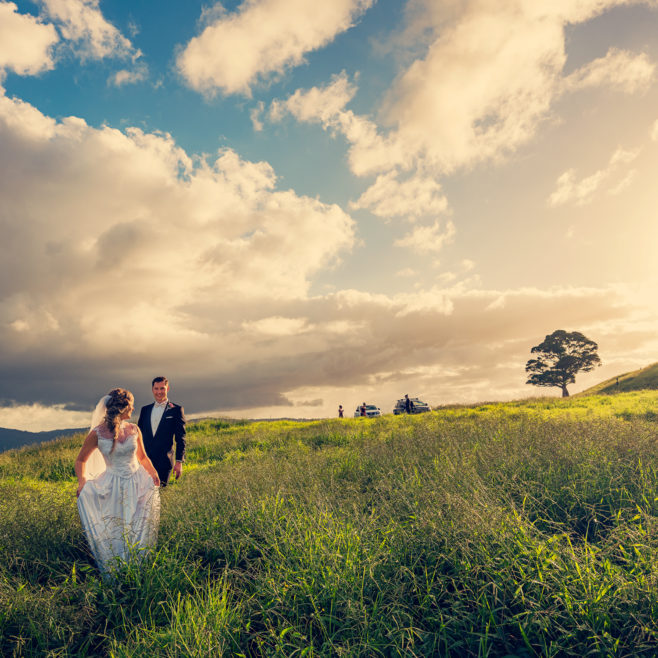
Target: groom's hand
<point>178,469</point>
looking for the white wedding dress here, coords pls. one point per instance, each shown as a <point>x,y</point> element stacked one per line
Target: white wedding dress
<point>120,508</point>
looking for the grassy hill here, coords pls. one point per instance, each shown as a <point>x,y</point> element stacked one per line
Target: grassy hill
<point>519,529</point>
<point>643,379</point>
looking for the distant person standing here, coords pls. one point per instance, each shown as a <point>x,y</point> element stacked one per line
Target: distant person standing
<point>340,411</point>
<point>162,422</point>
<point>363,410</point>
<point>408,404</point>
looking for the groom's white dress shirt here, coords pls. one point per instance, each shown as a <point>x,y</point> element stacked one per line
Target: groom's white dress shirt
<point>156,414</point>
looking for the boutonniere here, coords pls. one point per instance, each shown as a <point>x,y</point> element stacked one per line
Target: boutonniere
<point>170,406</point>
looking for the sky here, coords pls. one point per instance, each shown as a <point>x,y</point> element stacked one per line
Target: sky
<point>284,205</point>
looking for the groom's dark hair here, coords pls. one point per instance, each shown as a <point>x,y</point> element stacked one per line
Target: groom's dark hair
<point>159,379</point>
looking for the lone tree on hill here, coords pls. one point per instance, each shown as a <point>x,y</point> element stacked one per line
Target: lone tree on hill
<point>560,357</point>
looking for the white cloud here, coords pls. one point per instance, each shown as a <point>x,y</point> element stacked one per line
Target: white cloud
<point>623,184</point>
<point>129,77</point>
<point>446,278</point>
<point>619,69</point>
<point>654,131</point>
<point>317,104</point>
<point>26,44</point>
<point>491,75</point>
<point>262,38</point>
<point>430,238</point>
<point>624,156</point>
<point>342,327</point>
<point>82,23</point>
<point>369,150</point>
<point>277,326</point>
<point>210,14</point>
<point>406,272</point>
<point>281,327</point>
<point>570,190</point>
<point>486,81</point>
<point>418,196</point>
<point>255,115</point>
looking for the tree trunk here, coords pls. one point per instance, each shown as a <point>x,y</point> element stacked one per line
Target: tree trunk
<point>565,393</point>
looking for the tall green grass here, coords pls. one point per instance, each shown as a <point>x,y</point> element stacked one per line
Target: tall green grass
<point>519,529</point>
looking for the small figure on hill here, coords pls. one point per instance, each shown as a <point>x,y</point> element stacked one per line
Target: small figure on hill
<point>161,422</point>
<point>408,404</point>
<point>363,409</point>
<point>118,495</point>
<point>560,357</point>
<point>340,411</point>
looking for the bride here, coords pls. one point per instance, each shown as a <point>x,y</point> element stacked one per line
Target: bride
<point>118,495</point>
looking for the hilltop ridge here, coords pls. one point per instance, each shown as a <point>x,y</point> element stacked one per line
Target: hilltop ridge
<point>643,379</point>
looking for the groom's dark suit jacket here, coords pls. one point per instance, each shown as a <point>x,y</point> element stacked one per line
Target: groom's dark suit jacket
<point>160,448</point>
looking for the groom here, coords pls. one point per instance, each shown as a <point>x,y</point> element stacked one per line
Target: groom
<point>161,422</point>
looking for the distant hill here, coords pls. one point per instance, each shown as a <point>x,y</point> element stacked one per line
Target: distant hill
<point>18,438</point>
<point>645,378</point>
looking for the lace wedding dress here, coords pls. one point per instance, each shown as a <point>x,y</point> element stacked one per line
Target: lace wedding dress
<point>120,508</point>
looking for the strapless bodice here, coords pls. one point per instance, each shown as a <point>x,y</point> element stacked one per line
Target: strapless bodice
<point>122,460</point>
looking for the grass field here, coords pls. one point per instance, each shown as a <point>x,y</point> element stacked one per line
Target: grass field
<point>518,529</point>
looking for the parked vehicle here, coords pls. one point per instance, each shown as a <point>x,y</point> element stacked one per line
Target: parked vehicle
<point>372,411</point>
<point>418,407</point>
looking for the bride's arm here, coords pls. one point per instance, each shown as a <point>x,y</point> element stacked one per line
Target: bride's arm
<point>144,460</point>
<point>89,445</point>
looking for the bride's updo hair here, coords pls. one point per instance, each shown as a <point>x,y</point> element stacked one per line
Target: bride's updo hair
<point>120,400</point>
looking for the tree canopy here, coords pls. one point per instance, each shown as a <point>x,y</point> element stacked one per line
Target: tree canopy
<point>560,356</point>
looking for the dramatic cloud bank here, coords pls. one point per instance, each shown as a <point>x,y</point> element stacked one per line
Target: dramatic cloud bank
<point>92,217</point>
<point>127,256</point>
<point>134,258</point>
